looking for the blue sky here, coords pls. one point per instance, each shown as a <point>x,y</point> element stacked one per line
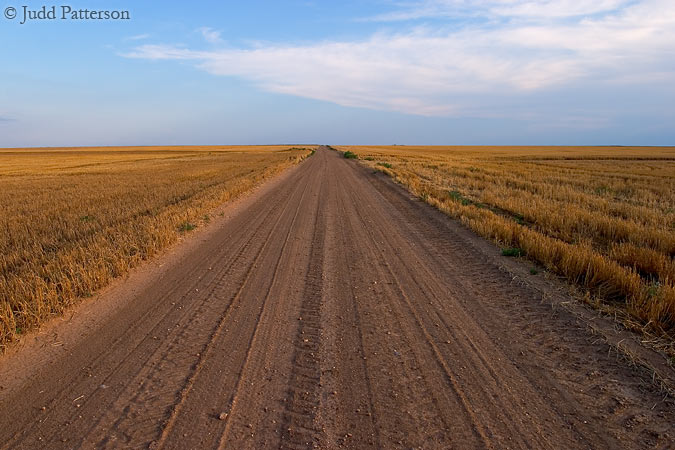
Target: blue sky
<point>352,72</point>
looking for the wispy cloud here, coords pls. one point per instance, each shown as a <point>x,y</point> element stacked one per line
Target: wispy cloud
<point>138,37</point>
<point>210,35</point>
<point>549,9</point>
<point>443,71</point>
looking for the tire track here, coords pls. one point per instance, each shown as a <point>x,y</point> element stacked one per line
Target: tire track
<point>224,318</point>
<point>240,361</point>
<point>467,350</point>
<point>252,342</point>
<point>345,238</point>
<point>174,350</point>
<point>372,255</point>
<point>299,428</point>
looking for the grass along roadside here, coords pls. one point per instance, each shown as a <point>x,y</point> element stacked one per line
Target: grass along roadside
<point>604,218</point>
<point>74,219</point>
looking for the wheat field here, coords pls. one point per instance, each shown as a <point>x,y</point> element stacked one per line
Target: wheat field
<point>603,217</point>
<point>74,219</point>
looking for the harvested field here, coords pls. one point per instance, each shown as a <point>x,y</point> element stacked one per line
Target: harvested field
<point>74,219</point>
<point>603,217</point>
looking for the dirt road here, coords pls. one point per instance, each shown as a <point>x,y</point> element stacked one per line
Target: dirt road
<point>332,311</point>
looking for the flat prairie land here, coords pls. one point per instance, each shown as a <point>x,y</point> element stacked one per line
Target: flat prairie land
<point>75,218</point>
<point>333,309</point>
<point>603,217</point>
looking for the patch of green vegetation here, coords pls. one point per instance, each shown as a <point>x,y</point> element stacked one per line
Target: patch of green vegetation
<point>653,289</point>
<point>458,197</point>
<point>369,158</point>
<point>186,226</point>
<point>206,218</point>
<point>87,218</point>
<point>385,164</point>
<point>350,155</point>
<point>512,251</point>
<point>602,189</point>
<point>519,218</point>
<point>533,271</point>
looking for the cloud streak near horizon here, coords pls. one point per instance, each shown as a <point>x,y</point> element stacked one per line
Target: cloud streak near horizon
<point>510,50</point>
<point>499,9</point>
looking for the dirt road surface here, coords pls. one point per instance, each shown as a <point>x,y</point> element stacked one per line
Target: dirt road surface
<point>331,311</point>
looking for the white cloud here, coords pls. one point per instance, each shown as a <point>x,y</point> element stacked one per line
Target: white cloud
<point>456,72</point>
<point>210,35</point>
<point>138,37</point>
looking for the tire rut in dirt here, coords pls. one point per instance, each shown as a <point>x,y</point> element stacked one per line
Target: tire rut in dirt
<point>185,355</point>
<point>240,382</point>
<point>299,428</point>
<point>429,395</point>
<point>241,324</point>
